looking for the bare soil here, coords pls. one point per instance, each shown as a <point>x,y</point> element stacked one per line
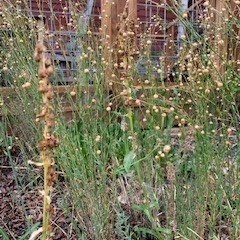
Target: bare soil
<point>21,202</point>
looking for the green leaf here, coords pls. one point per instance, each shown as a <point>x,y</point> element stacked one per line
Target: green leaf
<point>152,232</point>
<point>4,234</point>
<point>128,160</point>
<point>29,231</point>
<point>164,230</point>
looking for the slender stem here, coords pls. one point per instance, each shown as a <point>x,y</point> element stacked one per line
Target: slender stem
<point>131,123</point>
<point>46,165</point>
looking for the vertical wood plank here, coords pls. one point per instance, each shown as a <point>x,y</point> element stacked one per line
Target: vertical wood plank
<point>222,48</point>
<point>132,10</point>
<point>106,25</point>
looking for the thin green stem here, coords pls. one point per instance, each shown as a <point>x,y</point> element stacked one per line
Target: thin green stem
<point>46,165</point>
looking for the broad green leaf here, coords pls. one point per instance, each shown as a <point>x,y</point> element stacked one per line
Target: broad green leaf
<point>128,160</point>
<point>164,230</point>
<point>152,232</point>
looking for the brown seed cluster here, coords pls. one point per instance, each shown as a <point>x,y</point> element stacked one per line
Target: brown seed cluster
<point>48,143</point>
<point>51,176</point>
<point>45,88</point>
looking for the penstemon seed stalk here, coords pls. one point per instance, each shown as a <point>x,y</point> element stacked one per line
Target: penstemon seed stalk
<point>49,141</point>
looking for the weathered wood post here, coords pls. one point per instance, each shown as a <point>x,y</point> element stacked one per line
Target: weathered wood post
<point>224,11</point>
<point>114,15</point>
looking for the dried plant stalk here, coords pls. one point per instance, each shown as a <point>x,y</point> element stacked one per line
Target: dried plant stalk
<point>49,141</point>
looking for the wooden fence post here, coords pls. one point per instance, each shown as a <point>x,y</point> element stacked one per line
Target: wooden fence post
<point>132,10</point>
<point>106,25</point>
<point>222,49</point>
<point>111,15</point>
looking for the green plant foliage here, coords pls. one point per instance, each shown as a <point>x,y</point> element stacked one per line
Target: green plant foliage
<point>4,234</point>
<point>151,156</point>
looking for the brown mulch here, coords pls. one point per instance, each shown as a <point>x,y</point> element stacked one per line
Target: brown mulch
<point>21,202</point>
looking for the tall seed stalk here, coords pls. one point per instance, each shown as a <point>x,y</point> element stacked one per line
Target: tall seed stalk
<point>49,141</point>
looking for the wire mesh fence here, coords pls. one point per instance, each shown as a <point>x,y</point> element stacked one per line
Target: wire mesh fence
<point>67,25</point>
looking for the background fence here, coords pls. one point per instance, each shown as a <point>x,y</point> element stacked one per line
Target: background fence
<point>66,40</point>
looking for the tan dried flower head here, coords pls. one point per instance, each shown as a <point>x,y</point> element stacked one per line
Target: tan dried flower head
<point>166,148</point>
